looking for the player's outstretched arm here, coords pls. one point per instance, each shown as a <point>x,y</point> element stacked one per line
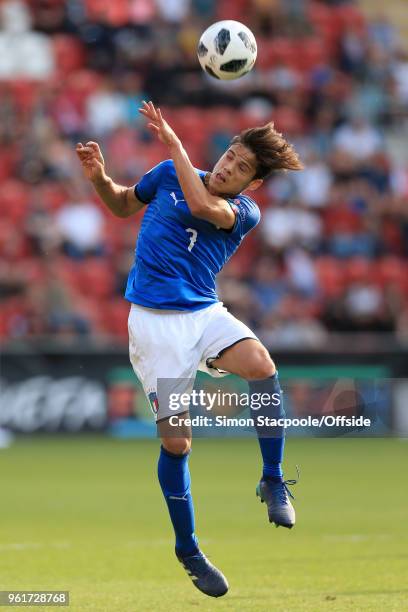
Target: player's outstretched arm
<point>201,203</point>
<point>119,199</point>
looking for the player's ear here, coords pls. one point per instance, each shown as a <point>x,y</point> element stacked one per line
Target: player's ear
<point>255,184</point>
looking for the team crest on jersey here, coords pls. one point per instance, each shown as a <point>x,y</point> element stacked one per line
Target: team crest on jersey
<point>154,402</point>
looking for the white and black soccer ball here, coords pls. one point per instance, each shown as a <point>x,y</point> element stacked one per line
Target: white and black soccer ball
<point>227,50</point>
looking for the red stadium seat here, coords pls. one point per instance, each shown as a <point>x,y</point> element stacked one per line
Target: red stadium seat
<point>34,271</point>
<point>340,218</point>
<point>91,310</point>
<point>266,54</point>
<point>12,309</point>
<point>14,200</point>
<point>231,10</point>
<point>189,125</point>
<point>8,158</point>
<point>112,231</point>
<point>301,54</point>
<point>350,17</point>
<point>53,196</point>
<point>327,24</point>
<point>392,270</point>
<point>288,120</point>
<point>359,269</point>
<point>284,51</point>
<point>69,53</point>
<point>320,14</point>
<point>152,154</point>
<point>221,118</point>
<point>24,93</point>
<point>80,84</point>
<point>310,53</point>
<point>6,227</point>
<point>69,272</point>
<point>115,317</point>
<point>330,276</point>
<point>241,265</point>
<point>95,278</point>
<point>115,13</point>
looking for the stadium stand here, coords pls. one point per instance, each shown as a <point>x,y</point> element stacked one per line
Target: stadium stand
<point>331,252</point>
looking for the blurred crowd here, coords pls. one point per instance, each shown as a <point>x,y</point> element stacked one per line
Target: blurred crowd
<point>331,251</point>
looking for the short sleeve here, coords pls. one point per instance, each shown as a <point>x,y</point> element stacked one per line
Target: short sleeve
<point>146,188</point>
<point>247,215</point>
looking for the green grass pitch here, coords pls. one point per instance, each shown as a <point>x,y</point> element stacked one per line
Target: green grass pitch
<point>86,515</point>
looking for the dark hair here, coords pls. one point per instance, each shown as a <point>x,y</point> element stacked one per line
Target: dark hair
<point>271,150</point>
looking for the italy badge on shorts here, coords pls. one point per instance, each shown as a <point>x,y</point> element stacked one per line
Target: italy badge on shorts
<point>154,402</point>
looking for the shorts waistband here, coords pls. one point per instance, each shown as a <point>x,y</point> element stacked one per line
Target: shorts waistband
<point>172,312</point>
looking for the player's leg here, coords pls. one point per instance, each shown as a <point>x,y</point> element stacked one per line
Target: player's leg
<point>175,482</point>
<point>174,478</point>
<point>162,354</point>
<point>228,345</point>
<point>250,360</point>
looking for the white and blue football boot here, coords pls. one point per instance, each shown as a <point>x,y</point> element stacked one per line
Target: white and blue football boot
<point>204,575</point>
<point>276,496</point>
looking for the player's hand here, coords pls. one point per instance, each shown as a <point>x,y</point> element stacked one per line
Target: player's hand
<point>92,161</point>
<point>158,125</point>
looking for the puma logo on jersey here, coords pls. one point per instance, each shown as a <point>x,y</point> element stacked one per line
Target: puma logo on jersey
<point>176,201</point>
<point>183,498</point>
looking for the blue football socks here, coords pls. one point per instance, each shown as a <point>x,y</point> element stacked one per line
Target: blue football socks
<point>174,478</point>
<point>271,438</point>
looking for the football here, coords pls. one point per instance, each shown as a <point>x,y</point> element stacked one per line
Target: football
<point>227,50</point>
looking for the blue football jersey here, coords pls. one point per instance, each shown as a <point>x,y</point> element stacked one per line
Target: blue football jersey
<point>178,255</point>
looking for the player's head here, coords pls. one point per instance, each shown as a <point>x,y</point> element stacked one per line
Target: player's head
<point>252,156</point>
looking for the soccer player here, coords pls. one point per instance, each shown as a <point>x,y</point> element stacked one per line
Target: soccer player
<point>193,222</point>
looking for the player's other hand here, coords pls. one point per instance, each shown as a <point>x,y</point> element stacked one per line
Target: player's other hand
<point>158,125</point>
<point>92,161</point>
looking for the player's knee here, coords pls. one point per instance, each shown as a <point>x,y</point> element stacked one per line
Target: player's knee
<point>177,446</point>
<point>260,365</point>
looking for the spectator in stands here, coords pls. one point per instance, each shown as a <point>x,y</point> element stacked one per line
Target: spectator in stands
<point>400,73</point>
<point>314,185</point>
<point>23,53</point>
<point>268,283</point>
<point>402,327</point>
<point>290,224</point>
<point>41,227</point>
<point>301,272</point>
<point>291,326</point>
<point>358,138</point>
<point>81,225</point>
<point>173,11</point>
<point>50,307</point>
<point>106,109</point>
<point>383,33</point>
<point>238,297</point>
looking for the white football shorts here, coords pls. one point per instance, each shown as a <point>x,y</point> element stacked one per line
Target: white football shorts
<point>172,345</point>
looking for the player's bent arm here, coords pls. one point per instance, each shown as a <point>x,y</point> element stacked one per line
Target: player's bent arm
<point>121,200</point>
<point>216,211</point>
<point>202,204</point>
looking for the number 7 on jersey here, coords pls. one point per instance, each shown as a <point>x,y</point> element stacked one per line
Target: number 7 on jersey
<point>193,238</point>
